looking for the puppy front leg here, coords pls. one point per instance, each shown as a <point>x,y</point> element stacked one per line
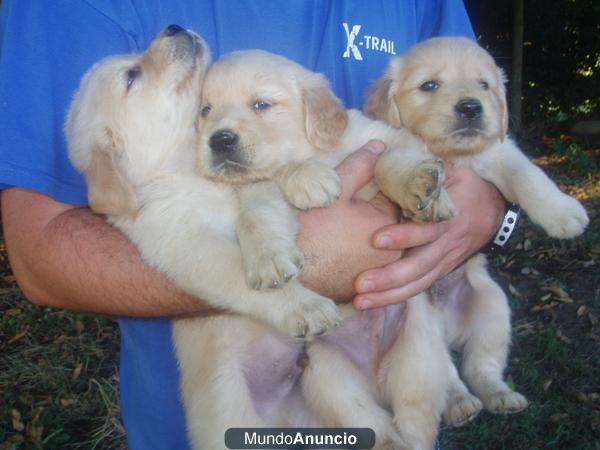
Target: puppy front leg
<point>339,394</point>
<point>414,374</point>
<point>309,184</point>
<point>266,230</point>
<point>415,182</point>
<point>203,260</point>
<point>520,181</point>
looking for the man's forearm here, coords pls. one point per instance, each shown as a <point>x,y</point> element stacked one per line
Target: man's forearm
<point>70,258</point>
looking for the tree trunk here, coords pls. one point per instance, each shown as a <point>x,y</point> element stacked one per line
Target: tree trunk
<point>517,66</point>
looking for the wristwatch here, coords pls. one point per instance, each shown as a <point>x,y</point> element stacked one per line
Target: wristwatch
<point>509,225</point>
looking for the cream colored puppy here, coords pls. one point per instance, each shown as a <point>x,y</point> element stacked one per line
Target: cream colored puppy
<point>131,132</point>
<point>450,93</point>
<point>269,125</point>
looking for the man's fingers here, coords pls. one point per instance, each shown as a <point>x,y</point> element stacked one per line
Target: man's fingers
<point>408,235</point>
<point>378,299</point>
<point>357,169</point>
<point>411,267</point>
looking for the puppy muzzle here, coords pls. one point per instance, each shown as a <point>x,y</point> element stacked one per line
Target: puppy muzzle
<point>225,152</point>
<point>184,44</point>
<point>469,114</point>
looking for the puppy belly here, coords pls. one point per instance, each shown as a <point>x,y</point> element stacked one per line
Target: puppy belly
<point>366,336</point>
<point>274,363</point>
<point>273,366</point>
<point>454,295</point>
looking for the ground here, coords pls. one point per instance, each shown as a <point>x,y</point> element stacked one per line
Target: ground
<point>58,370</point>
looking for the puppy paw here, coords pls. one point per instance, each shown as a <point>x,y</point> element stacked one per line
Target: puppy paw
<point>462,409</point>
<point>417,426</point>
<point>389,439</point>
<point>309,316</point>
<point>272,268</point>
<point>311,185</point>
<point>505,402</point>
<point>566,219</point>
<point>424,198</point>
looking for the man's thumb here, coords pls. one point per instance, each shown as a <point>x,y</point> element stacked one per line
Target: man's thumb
<point>357,169</point>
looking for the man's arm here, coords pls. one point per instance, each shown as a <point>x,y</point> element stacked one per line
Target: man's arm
<point>68,257</point>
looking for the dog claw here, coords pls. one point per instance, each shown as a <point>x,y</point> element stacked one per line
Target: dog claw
<point>435,175</point>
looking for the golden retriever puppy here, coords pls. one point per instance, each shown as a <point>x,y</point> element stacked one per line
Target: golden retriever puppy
<point>270,127</point>
<point>450,93</point>
<point>131,132</point>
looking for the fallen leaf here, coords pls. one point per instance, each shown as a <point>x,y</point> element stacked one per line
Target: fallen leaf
<point>77,371</point>
<point>12,311</point>
<point>78,326</point>
<point>18,336</point>
<point>34,428</point>
<point>5,291</point>
<point>64,402</point>
<point>16,420</point>
<point>559,293</point>
<point>513,290</point>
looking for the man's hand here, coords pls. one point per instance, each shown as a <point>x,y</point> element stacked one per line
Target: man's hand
<point>480,210</point>
<point>337,241</point>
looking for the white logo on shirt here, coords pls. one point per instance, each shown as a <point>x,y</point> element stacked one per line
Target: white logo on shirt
<point>351,35</point>
<point>368,42</point>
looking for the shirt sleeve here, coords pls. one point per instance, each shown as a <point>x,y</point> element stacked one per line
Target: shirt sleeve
<point>46,47</point>
<point>443,18</point>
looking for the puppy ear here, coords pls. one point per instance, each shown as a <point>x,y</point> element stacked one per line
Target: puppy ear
<point>502,99</point>
<point>380,103</point>
<point>325,118</point>
<point>109,192</point>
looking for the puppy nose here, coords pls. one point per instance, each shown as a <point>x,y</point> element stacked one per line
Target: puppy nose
<point>469,108</point>
<point>223,141</point>
<point>172,30</point>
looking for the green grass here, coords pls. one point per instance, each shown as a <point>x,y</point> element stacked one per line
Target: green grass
<point>558,378</point>
<point>58,379</point>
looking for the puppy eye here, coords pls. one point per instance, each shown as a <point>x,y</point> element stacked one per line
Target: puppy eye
<point>205,111</point>
<point>484,85</point>
<point>132,74</point>
<point>430,85</point>
<point>259,105</point>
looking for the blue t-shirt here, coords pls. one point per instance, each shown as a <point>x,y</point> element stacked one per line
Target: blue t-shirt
<point>46,47</point>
